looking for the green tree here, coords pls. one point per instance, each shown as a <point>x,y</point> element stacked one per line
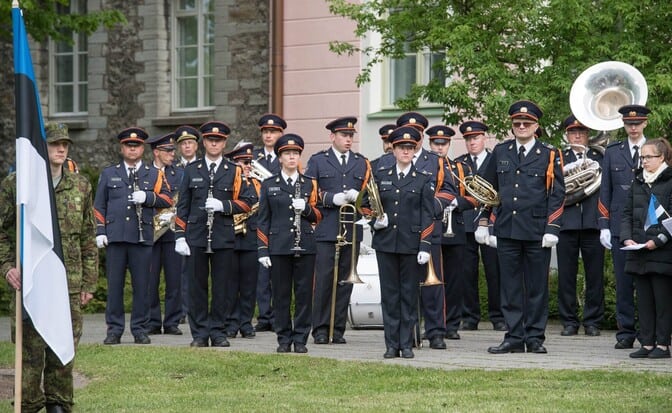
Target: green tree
<point>499,51</point>
<point>43,21</point>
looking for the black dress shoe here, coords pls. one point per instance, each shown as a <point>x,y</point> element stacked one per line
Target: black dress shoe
<point>452,335</point>
<point>536,348</point>
<point>592,331</point>
<point>284,348</point>
<point>112,339</point>
<point>220,342</point>
<point>173,330</point>
<point>183,320</point>
<point>154,331</point>
<point>300,348</point>
<point>391,353</point>
<point>659,353</point>
<point>263,327</point>
<point>507,347</point>
<point>407,353</point>
<point>142,338</point>
<point>338,340</point>
<point>642,353</point>
<point>499,326</point>
<point>55,408</point>
<point>321,339</point>
<point>624,343</point>
<point>437,343</point>
<point>199,342</point>
<point>231,334</point>
<point>248,334</point>
<point>569,331</point>
<point>469,326</point>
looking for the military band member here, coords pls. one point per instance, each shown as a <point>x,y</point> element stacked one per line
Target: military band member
<point>287,201</point>
<point>340,174</point>
<point>580,234</point>
<point>452,245</point>
<point>384,133</point>
<point>124,206</point>
<point>242,287</point>
<point>187,138</point>
<point>210,194</point>
<point>528,177</point>
<point>621,161</point>
<point>45,381</point>
<point>402,240</point>
<point>164,256</point>
<point>477,157</point>
<point>272,127</point>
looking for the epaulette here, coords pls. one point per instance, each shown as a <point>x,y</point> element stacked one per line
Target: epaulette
<point>614,144</point>
<point>358,155</point>
<point>506,142</point>
<point>548,145</point>
<point>423,172</point>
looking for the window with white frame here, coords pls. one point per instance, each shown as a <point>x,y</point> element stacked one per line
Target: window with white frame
<point>68,63</point>
<point>415,68</point>
<point>193,54</point>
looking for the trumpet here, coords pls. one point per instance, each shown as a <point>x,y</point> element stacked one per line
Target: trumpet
<point>448,220</point>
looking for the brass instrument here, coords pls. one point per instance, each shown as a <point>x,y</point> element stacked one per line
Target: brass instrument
<point>211,213</point>
<point>479,188</point>
<point>258,171</point>
<point>431,278</point>
<point>240,220</point>
<point>582,179</point>
<point>347,214</point>
<point>448,221</point>
<point>160,227</point>
<point>374,200</point>
<point>297,220</point>
<point>138,207</point>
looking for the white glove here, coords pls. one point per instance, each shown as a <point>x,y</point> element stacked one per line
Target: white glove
<point>299,204</point>
<point>351,195</point>
<point>605,238</point>
<point>481,235</point>
<point>339,199</point>
<point>453,203</point>
<point>265,261</point>
<point>214,204</point>
<point>101,241</point>
<point>423,257</point>
<point>139,197</point>
<point>381,222</point>
<point>166,217</point>
<point>549,241</point>
<point>181,247</point>
<point>492,241</point>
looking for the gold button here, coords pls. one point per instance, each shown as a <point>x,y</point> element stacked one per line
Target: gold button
<point>515,198</point>
<point>517,172</point>
<point>515,186</point>
<point>394,226</point>
<point>514,212</point>
<point>128,218</point>
<point>397,191</point>
<point>395,214</point>
<point>396,202</point>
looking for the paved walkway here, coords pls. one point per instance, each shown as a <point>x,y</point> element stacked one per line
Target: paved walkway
<point>579,352</point>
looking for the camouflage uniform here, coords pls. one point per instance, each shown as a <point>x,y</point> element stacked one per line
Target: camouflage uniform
<point>75,212</point>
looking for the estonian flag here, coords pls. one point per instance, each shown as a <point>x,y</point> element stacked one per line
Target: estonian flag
<point>655,212</point>
<point>44,284</point>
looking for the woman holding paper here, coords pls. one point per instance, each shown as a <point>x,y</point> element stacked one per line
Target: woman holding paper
<point>644,215</point>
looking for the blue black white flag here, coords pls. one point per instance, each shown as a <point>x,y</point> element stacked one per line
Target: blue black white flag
<point>655,212</point>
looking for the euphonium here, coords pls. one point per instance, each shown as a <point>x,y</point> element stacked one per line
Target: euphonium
<point>258,171</point>
<point>240,220</point>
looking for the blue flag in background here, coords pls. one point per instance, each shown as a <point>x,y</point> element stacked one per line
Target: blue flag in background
<point>44,283</point>
<point>654,213</point>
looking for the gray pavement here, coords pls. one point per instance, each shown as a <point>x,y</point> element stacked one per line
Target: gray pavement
<point>578,352</point>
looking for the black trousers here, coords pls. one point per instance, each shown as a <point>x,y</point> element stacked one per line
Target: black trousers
<point>654,302</point>
<point>587,242</point>
<point>400,275</point>
<point>625,294</point>
<point>433,300</point>
<point>453,257</point>
<point>241,291</point>
<point>165,258</point>
<point>207,318</point>
<point>322,292</point>
<point>524,286</point>
<point>471,312</point>
<point>264,296</point>
<point>290,274</point>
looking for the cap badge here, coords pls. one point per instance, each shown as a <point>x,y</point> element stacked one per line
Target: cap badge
<point>440,133</point>
<point>291,142</point>
<point>632,113</point>
<point>407,136</point>
<point>184,133</point>
<point>248,150</point>
<point>270,122</point>
<point>134,135</point>
<point>215,130</point>
<point>349,124</point>
<point>523,109</point>
<point>412,120</point>
<point>576,122</point>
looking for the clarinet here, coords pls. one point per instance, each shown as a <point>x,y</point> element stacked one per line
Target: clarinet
<point>211,213</point>
<point>138,207</point>
<point>297,220</point>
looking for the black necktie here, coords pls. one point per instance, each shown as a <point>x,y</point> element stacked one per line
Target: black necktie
<point>635,156</point>
<point>401,176</point>
<point>269,158</point>
<point>212,168</point>
<point>474,161</point>
<point>521,154</point>
<point>342,160</point>
<point>131,173</point>
<point>579,155</point>
<point>289,181</point>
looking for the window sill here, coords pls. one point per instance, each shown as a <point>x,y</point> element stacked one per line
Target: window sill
<point>395,113</point>
<point>182,119</point>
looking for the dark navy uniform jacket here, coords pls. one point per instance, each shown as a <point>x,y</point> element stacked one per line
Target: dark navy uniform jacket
<point>465,202</point>
<point>333,178</point>
<point>173,177</point>
<point>532,193</point>
<point>470,215</point>
<point>275,225</point>
<point>409,205</point>
<point>116,216</point>
<point>248,241</point>
<point>273,167</point>
<point>583,214</point>
<point>618,171</point>
<point>191,221</point>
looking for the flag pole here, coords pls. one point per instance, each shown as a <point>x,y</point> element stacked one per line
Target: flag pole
<point>18,320</point>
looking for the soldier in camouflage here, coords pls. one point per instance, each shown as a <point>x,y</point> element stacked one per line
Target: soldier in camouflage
<point>75,216</point>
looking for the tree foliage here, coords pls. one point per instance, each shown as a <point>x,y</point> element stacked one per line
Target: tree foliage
<point>499,51</point>
<point>43,21</point>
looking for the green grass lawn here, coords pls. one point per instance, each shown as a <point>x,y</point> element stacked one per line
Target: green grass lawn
<point>171,379</point>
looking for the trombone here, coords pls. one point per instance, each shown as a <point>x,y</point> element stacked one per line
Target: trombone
<point>347,215</point>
